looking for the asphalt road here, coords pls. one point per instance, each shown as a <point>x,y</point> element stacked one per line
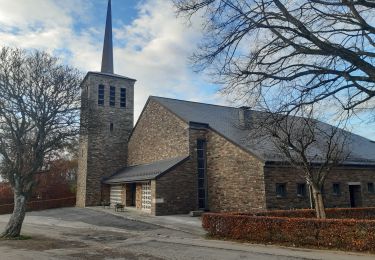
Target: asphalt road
<point>73,233</point>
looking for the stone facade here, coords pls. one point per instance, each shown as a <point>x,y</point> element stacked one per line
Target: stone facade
<point>102,150</point>
<point>174,192</point>
<point>158,135</point>
<point>138,196</point>
<point>235,177</point>
<point>236,180</point>
<point>342,176</point>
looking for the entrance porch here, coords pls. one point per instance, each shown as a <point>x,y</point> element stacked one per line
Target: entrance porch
<point>132,195</point>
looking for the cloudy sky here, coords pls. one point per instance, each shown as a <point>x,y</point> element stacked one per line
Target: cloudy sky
<point>151,44</point>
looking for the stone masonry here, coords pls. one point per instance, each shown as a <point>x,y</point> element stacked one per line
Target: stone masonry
<point>236,180</point>
<point>158,135</point>
<point>102,150</point>
<point>341,175</point>
<point>235,177</point>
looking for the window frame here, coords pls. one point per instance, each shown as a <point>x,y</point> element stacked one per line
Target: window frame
<point>372,190</point>
<point>336,192</point>
<point>304,190</point>
<point>101,94</point>
<point>284,192</point>
<point>112,96</point>
<point>123,94</point>
<point>202,173</point>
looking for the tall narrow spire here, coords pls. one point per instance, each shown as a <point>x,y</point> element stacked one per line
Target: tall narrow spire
<point>107,59</point>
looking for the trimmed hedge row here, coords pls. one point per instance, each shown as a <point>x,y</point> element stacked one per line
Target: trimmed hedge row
<point>346,234</point>
<point>332,213</point>
<point>41,204</point>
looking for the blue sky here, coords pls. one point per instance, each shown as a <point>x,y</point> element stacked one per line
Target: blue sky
<point>151,44</point>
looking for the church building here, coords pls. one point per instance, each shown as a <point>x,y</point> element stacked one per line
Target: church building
<point>185,156</point>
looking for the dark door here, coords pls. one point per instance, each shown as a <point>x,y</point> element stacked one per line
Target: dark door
<point>355,196</point>
<point>132,194</point>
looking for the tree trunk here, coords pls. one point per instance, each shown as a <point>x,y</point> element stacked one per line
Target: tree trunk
<point>13,228</point>
<point>319,205</point>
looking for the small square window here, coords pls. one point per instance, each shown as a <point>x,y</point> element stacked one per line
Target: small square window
<point>301,189</point>
<point>280,190</point>
<point>336,189</point>
<point>370,187</point>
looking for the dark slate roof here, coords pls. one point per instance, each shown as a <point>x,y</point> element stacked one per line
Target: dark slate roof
<point>225,121</point>
<point>144,172</point>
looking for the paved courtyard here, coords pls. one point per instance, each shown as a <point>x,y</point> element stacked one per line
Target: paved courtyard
<point>73,233</point>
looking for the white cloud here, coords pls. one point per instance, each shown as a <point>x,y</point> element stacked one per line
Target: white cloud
<point>156,53</point>
<point>153,49</point>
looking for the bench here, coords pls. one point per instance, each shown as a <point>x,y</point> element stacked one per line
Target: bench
<point>119,207</point>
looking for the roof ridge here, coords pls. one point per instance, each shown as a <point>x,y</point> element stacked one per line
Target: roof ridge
<point>196,102</point>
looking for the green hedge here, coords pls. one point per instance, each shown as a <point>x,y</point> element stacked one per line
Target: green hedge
<point>346,234</point>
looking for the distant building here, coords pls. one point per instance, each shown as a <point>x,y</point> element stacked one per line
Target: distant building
<point>183,156</point>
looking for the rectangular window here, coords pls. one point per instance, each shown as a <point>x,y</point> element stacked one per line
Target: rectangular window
<point>201,161</point>
<point>112,96</point>
<point>370,187</point>
<point>301,189</point>
<point>123,97</point>
<point>280,190</point>
<point>336,189</point>
<point>101,95</point>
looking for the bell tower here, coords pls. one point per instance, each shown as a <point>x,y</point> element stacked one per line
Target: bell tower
<point>107,115</point>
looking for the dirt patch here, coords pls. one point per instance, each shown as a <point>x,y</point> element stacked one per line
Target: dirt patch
<point>42,243</point>
<point>112,254</point>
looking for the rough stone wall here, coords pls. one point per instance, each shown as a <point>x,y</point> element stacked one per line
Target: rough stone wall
<point>138,196</point>
<point>235,178</point>
<point>104,151</point>
<point>158,135</point>
<point>106,192</point>
<point>340,175</point>
<point>82,172</point>
<point>174,192</point>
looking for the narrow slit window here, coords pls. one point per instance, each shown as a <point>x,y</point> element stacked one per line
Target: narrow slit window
<point>112,96</point>
<point>370,187</point>
<point>111,127</point>
<point>336,189</point>
<point>123,97</point>
<point>101,95</point>
<point>201,157</point>
<point>301,189</point>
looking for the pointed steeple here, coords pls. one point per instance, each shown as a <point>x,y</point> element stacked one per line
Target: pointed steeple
<point>107,59</point>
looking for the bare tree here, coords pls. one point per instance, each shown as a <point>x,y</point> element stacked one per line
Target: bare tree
<point>39,112</point>
<point>311,147</point>
<point>305,51</point>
